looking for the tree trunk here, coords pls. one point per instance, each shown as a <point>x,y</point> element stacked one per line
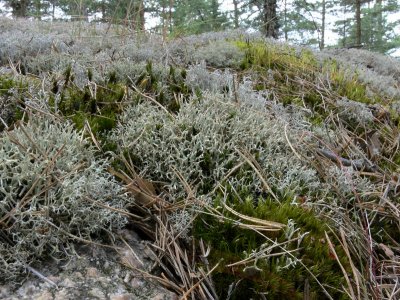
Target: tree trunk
<point>19,8</point>
<point>236,13</point>
<point>171,5</point>
<point>141,15</point>
<point>344,30</point>
<point>358,22</point>
<point>132,17</point>
<point>164,21</point>
<point>285,29</point>
<point>270,19</point>
<point>214,14</point>
<point>103,11</point>
<point>379,21</point>
<point>79,11</point>
<point>38,8</point>
<point>322,43</point>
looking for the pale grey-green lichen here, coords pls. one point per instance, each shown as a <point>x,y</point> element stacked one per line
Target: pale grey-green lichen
<point>51,188</point>
<point>202,143</point>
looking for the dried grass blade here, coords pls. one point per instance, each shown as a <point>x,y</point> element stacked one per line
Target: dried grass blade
<point>356,273</point>
<point>267,225</point>
<point>250,160</point>
<point>199,282</point>
<point>89,129</point>
<point>290,144</point>
<point>332,248</point>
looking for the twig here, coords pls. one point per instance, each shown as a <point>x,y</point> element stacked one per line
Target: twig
<point>41,276</point>
<point>358,164</point>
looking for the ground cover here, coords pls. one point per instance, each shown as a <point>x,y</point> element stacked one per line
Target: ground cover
<point>253,168</point>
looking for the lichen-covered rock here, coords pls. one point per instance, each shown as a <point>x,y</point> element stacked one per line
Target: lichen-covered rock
<point>94,273</point>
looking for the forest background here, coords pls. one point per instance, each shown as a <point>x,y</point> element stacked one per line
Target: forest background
<point>369,24</point>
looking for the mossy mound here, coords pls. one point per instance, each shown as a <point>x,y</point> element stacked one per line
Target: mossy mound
<point>279,264</point>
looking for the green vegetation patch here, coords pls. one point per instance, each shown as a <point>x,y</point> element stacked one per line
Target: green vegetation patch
<point>275,273</point>
<point>12,93</point>
<point>298,78</point>
<point>166,88</point>
<point>96,104</point>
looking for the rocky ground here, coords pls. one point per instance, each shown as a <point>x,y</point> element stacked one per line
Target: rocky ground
<point>94,273</point>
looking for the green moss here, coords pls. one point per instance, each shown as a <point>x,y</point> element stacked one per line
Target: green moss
<point>90,74</point>
<point>98,106</point>
<point>348,85</point>
<point>68,75</point>
<point>296,78</point>
<point>12,95</point>
<point>259,55</point>
<point>112,78</point>
<point>312,99</point>
<point>165,89</point>
<point>292,66</point>
<point>232,243</point>
<point>6,84</point>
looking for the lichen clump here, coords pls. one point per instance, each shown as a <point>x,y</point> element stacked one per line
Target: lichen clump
<point>205,141</point>
<point>52,190</point>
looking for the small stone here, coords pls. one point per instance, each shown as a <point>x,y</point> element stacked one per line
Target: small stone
<point>46,295</point>
<point>68,283</point>
<point>95,292</point>
<point>129,235</point>
<point>166,296</point>
<point>116,271</point>
<point>137,283</point>
<point>148,253</point>
<point>122,297</point>
<point>92,272</point>
<point>77,275</point>
<point>55,279</point>
<point>127,277</point>
<point>61,294</point>
<point>106,265</point>
<point>104,280</point>
<point>4,291</point>
<point>27,290</point>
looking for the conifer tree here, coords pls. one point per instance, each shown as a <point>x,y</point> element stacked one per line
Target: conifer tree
<point>270,18</point>
<point>369,27</point>
<point>190,16</point>
<point>127,12</point>
<point>20,8</point>
<point>28,8</point>
<point>266,17</point>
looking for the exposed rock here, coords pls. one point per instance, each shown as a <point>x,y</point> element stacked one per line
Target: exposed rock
<point>95,272</point>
